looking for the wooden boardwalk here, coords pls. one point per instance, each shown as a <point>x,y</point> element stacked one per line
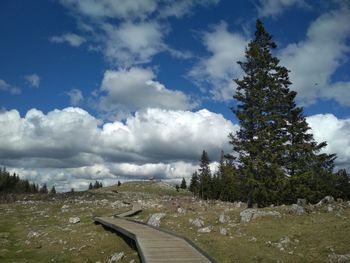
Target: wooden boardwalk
<point>156,245</point>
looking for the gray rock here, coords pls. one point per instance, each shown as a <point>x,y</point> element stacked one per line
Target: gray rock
<point>224,218</point>
<point>181,210</point>
<point>326,201</point>
<point>205,229</point>
<point>197,222</point>
<point>301,202</point>
<point>248,214</point>
<point>297,209</point>
<point>116,257</point>
<point>74,220</point>
<point>154,220</point>
<point>33,234</point>
<point>223,231</point>
<point>338,258</point>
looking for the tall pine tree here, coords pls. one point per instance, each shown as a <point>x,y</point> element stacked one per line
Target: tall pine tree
<point>205,189</point>
<point>273,143</point>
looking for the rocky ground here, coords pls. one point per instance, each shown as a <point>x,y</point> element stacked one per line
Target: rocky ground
<point>61,229</point>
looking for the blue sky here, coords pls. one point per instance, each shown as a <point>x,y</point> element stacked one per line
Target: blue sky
<point>102,89</point>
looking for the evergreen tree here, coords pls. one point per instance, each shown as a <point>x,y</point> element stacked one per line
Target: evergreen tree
<point>183,184</point>
<point>43,189</point>
<point>53,190</point>
<point>194,184</point>
<point>273,145</point>
<point>204,177</point>
<point>90,186</point>
<point>177,187</point>
<point>119,183</point>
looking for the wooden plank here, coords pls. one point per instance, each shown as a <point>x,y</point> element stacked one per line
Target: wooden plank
<point>155,245</point>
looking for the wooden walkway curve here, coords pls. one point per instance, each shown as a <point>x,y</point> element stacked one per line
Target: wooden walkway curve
<point>155,245</point>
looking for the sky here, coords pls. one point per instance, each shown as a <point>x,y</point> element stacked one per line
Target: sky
<point>114,90</point>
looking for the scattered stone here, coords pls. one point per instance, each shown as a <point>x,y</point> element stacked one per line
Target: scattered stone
<point>205,229</point>
<point>301,202</point>
<point>116,257</point>
<point>197,222</point>
<point>181,210</point>
<point>326,201</point>
<point>338,258</point>
<point>252,239</point>
<point>64,208</point>
<point>33,234</point>
<point>224,218</point>
<point>74,220</point>
<point>297,209</point>
<point>223,231</point>
<point>248,214</point>
<point>154,220</point>
<point>329,208</point>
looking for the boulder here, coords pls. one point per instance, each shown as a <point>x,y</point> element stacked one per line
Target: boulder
<point>339,258</point>
<point>223,231</point>
<point>181,210</point>
<point>326,201</point>
<point>197,222</point>
<point>224,218</point>
<point>116,257</point>
<point>154,220</point>
<point>251,213</point>
<point>205,229</point>
<point>297,209</point>
<point>74,220</point>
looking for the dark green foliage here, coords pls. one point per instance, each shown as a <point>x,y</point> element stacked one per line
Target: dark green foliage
<point>53,190</point>
<point>194,184</point>
<point>13,184</point>
<point>43,189</point>
<point>183,184</point>
<point>90,186</point>
<point>96,185</point>
<point>177,187</point>
<point>277,157</point>
<point>205,188</point>
<point>119,183</point>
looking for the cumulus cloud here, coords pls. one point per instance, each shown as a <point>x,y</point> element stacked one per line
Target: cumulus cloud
<point>276,7</point>
<point>133,43</point>
<point>74,145</point>
<point>4,86</point>
<point>215,73</point>
<point>314,60</point>
<point>111,8</point>
<point>138,29</point>
<point>327,127</point>
<point>72,39</point>
<point>33,80</point>
<point>75,96</point>
<point>133,89</point>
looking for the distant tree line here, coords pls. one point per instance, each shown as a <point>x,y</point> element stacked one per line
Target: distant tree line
<point>96,185</point>
<point>12,183</point>
<point>275,158</point>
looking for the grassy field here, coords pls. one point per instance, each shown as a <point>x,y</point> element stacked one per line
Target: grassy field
<point>39,230</point>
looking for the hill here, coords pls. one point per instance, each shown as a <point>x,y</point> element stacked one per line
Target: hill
<point>45,228</point>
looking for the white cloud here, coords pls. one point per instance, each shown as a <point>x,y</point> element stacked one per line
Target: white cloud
<point>130,90</point>
<point>180,8</point>
<point>111,8</point>
<point>327,127</point>
<point>313,61</point>
<point>133,43</point>
<point>4,86</point>
<point>217,71</point>
<point>136,32</point>
<point>33,80</point>
<point>276,7</point>
<point>75,96</point>
<point>72,39</point>
<point>75,143</point>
